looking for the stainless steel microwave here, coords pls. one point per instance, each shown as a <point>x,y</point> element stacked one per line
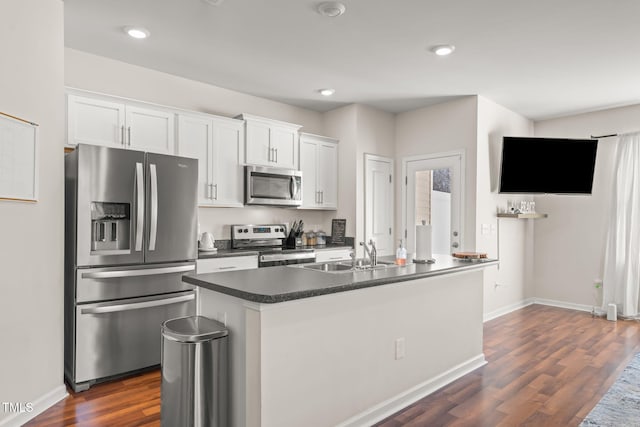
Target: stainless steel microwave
<point>272,186</point>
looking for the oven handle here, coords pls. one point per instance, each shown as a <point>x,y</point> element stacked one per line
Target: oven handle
<point>278,257</point>
<point>138,305</point>
<point>139,272</point>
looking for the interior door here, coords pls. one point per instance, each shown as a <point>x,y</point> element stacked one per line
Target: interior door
<point>171,207</point>
<point>379,203</point>
<point>433,194</point>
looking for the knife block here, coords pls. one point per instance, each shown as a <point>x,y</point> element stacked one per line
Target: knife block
<point>293,242</point>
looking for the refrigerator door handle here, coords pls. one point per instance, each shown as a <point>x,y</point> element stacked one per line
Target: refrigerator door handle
<point>139,272</point>
<point>139,206</point>
<point>137,305</point>
<point>153,226</point>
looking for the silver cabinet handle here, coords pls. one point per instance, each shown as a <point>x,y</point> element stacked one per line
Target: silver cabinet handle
<point>209,191</point>
<point>139,206</point>
<point>153,233</point>
<point>216,194</point>
<point>454,244</point>
<point>276,151</point>
<point>137,305</point>
<point>113,274</point>
<point>122,140</point>
<point>317,197</point>
<point>129,133</point>
<point>229,267</point>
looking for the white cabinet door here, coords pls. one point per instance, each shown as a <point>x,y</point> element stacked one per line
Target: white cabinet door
<point>228,152</point>
<point>94,121</point>
<point>319,166</point>
<point>284,145</point>
<point>258,146</point>
<point>328,175</point>
<point>150,130</point>
<point>214,265</point>
<point>195,139</point>
<point>308,166</point>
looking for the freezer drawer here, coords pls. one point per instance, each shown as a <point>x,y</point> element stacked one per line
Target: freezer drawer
<point>116,337</point>
<point>110,283</point>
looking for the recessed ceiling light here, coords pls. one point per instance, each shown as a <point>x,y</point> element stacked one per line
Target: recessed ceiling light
<point>443,49</point>
<point>213,2</point>
<point>327,92</point>
<point>331,9</point>
<point>137,32</point>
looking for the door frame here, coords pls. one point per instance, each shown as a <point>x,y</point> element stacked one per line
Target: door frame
<point>405,213</point>
<point>391,162</point>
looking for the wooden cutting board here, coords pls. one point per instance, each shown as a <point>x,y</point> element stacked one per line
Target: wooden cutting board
<point>469,255</point>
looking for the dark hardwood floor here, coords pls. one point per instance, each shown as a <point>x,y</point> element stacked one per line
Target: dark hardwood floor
<point>546,366</point>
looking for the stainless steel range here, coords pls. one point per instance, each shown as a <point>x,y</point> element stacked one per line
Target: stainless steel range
<point>268,240</point>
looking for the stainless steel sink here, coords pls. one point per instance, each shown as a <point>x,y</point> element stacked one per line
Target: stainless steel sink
<point>327,266</point>
<point>346,267</point>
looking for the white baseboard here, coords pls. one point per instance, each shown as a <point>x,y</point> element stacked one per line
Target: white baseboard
<point>404,399</point>
<point>563,304</point>
<point>39,405</point>
<point>542,301</point>
<point>508,309</point>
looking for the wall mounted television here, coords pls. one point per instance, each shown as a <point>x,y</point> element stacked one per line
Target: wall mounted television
<point>547,165</point>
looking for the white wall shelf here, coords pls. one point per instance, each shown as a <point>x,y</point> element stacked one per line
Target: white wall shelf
<point>533,215</point>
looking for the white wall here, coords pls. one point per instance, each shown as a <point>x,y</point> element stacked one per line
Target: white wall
<point>570,244</point>
<point>516,236</point>
<point>361,129</point>
<point>31,252</point>
<point>341,124</point>
<point>104,75</point>
<point>375,135</point>
<point>441,128</point>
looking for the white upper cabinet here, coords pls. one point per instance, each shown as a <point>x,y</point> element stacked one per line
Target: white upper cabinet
<point>218,144</point>
<point>271,142</point>
<point>117,123</point>
<point>319,166</point>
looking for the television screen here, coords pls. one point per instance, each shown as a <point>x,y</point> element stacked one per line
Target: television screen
<point>547,165</point>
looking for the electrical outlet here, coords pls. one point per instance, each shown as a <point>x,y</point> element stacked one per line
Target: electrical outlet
<point>597,283</point>
<point>400,350</point>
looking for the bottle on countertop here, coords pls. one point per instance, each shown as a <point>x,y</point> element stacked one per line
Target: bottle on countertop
<point>401,255</point>
<point>321,238</point>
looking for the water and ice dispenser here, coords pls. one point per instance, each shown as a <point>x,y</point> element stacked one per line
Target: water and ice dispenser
<point>110,227</point>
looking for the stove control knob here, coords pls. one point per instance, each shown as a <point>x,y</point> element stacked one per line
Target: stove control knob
<point>239,230</point>
<point>246,230</point>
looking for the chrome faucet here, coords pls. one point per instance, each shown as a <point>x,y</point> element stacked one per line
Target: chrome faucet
<point>373,254</point>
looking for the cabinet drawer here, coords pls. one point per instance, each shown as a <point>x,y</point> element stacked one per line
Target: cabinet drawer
<point>213,265</point>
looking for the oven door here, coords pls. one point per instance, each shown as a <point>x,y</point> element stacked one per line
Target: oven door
<point>124,335</point>
<point>273,187</point>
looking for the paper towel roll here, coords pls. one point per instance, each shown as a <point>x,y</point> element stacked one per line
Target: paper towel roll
<point>423,243</point>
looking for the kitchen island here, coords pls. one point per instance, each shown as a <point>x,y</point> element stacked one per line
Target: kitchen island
<point>318,348</point>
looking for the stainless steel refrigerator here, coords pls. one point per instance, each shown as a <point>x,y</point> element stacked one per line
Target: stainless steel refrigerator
<point>130,235</point>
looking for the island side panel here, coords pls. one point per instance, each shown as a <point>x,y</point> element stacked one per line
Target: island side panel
<point>331,360</point>
<point>233,313</point>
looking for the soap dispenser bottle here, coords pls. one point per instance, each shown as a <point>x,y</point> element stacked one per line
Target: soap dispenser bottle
<point>401,255</point>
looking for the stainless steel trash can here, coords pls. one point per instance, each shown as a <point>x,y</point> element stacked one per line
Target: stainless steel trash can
<point>194,391</point>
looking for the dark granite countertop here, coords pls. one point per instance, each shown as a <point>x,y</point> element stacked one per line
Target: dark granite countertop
<point>278,284</point>
<point>222,253</point>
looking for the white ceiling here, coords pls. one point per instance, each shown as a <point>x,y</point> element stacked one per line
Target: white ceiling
<point>540,58</point>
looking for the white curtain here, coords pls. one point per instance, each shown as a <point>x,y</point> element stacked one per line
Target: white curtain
<point>621,280</point>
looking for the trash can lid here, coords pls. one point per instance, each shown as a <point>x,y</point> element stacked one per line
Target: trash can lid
<point>193,329</point>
